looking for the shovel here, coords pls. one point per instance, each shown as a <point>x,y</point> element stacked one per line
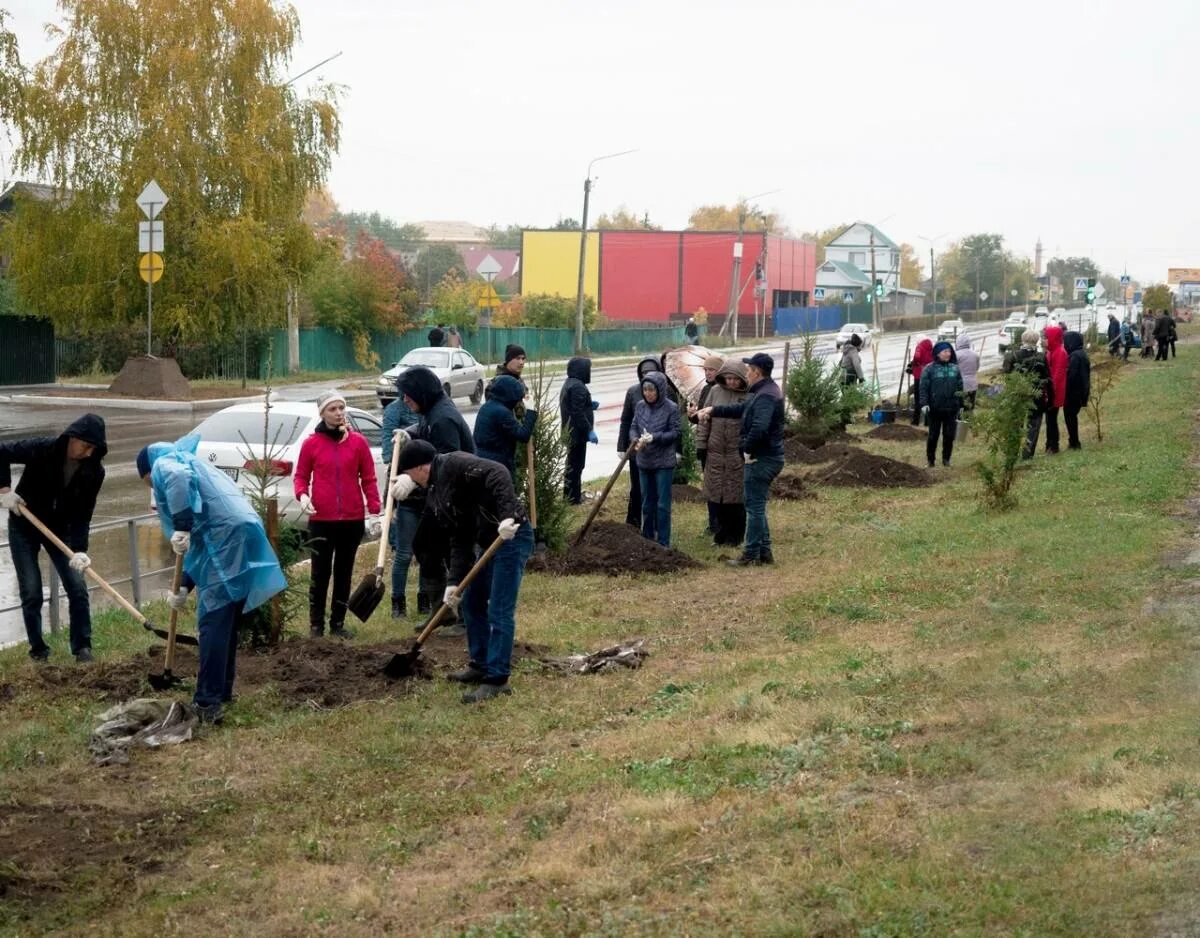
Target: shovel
<point>626,456</point>
<point>369,593</point>
<point>532,479</point>
<point>167,680</point>
<point>103,584</point>
<point>404,663</point>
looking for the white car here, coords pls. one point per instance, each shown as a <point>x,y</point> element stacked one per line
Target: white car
<point>1111,307</point>
<point>456,368</point>
<point>950,330</point>
<point>1059,314</point>
<point>232,440</point>
<point>1017,316</point>
<point>860,329</point>
<point>1042,311</point>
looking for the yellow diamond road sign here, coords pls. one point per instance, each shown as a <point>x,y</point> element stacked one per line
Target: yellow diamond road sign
<point>150,267</point>
<point>489,299</point>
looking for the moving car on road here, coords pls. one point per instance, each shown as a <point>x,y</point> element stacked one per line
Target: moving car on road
<point>456,368</point>
<point>860,329</point>
<point>1010,333</point>
<point>950,330</point>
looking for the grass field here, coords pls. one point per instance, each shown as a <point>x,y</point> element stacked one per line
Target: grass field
<point>924,720</point>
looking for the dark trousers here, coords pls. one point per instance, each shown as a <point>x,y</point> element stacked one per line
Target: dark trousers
<point>489,607</point>
<point>573,478</point>
<point>945,424</point>
<point>1172,341</point>
<point>757,477</point>
<point>25,541</point>
<point>731,523</point>
<point>1051,429</point>
<point>1071,419</point>
<point>656,505</point>
<point>334,546</point>
<point>633,514</point>
<point>217,631</point>
<point>1161,356</point>
<point>1032,433</point>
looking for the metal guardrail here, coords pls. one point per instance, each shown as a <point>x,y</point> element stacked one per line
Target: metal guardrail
<point>134,579</point>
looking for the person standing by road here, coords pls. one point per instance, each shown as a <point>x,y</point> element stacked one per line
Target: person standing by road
<point>59,486</point>
<point>1079,386</point>
<point>922,356</point>
<point>1056,363</point>
<point>656,428</point>
<point>437,336</point>
<point>968,366</point>
<point>514,367</point>
<point>405,515</point>
<point>577,410</point>
<point>335,475</point>
<point>453,339</point>
<point>471,502</point>
<point>940,394</point>
<point>227,558</point>
<point>692,331</point>
<point>1164,325</point>
<point>1029,361</point>
<point>852,361</point>
<point>723,485</point>
<point>1147,333</point>
<point>497,428</point>
<point>1114,335</point>
<point>761,445</point>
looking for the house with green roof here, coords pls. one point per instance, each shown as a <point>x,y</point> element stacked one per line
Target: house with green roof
<point>849,258</point>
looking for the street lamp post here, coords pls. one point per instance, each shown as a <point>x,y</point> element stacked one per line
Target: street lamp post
<point>583,227</point>
<point>932,271</point>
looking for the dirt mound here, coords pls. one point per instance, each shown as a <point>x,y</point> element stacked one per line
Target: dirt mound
<point>150,377</point>
<point>905,432</point>
<point>686,493</point>
<point>613,548</point>
<point>788,487</point>
<point>795,451</point>
<point>867,469</point>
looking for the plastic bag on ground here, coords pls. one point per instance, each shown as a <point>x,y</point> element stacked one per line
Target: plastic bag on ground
<point>142,722</point>
<point>629,654</point>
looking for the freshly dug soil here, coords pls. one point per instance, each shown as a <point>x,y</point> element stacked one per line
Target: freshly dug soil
<point>905,432</point>
<point>866,469</point>
<point>789,488</point>
<point>613,547</point>
<point>146,376</point>
<point>795,451</point>
<point>686,493</point>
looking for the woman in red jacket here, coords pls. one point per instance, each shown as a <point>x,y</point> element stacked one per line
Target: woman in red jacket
<point>1056,360</point>
<point>921,357</point>
<point>335,474</point>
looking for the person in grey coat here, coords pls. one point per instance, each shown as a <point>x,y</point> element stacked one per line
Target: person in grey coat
<point>656,428</point>
<point>968,367</point>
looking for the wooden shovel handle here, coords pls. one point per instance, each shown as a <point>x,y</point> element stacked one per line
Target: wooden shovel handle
<point>389,504</point>
<point>482,562</point>
<point>176,583</point>
<point>604,495</point>
<point>531,478</point>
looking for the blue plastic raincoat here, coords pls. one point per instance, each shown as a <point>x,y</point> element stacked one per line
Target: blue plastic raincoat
<point>230,558</point>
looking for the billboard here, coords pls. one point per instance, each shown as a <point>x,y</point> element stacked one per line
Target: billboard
<point>1183,275</point>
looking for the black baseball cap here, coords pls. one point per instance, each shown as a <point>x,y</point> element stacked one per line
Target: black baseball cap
<point>760,360</point>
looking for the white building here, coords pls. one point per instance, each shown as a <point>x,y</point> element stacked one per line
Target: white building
<point>849,259</point>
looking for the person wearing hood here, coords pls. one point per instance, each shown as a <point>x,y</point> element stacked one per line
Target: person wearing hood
<point>1056,362</point>
<point>437,336</point>
<point>1114,334</point>
<point>335,475</point>
<point>1164,327</point>
<point>497,428</point>
<point>1146,329</point>
<point>471,502</point>
<point>439,424</point>
<point>852,361</point>
<point>577,409</point>
<point>227,558</point>
<point>723,485</point>
<point>453,339</point>
<point>59,486</point>
<point>968,366</point>
<point>405,516</point>
<point>922,356</point>
<point>1079,385</point>
<point>712,366</point>
<point>692,331</point>
<point>1126,340</point>
<point>940,395</point>
<point>656,430</point>
<point>513,366</point>
<point>1029,361</point>
<point>633,394</point>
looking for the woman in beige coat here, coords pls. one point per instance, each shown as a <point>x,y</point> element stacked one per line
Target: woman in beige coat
<point>723,468</point>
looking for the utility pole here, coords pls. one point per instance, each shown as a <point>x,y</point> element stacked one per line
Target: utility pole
<point>583,227</point>
<point>875,321</point>
<point>977,281</point>
<point>933,278</point>
<point>737,270</point>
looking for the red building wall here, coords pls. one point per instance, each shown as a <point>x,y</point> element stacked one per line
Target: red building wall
<point>639,274</point>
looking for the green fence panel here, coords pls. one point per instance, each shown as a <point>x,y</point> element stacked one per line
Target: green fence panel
<point>26,350</point>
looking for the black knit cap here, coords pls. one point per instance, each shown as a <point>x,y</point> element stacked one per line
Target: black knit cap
<point>513,351</point>
<point>416,453</point>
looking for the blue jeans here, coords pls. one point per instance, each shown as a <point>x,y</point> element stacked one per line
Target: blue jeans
<point>656,504</point>
<point>404,529</point>
<point>756,483</point>
<point>490,606</point>
<point>24,540</point>
<point>218,634</point>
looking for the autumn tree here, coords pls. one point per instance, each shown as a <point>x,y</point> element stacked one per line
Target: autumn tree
<point>727,217</point>
<point>822,238</point>
<point>1158,297</point>
<point>507,237</point>
<point>911,272</point>
<point>434,263</point>
<point>196,96</point>
<point>398,237</point>
<point>622,218</point>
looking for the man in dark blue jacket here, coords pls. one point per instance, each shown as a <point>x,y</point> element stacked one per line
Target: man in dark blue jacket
<point>761,444</point>
<point>633,394</point>
<point>497,429</point>
<point>576,408</point>
<point>405,515</point>
<point>60,483</point>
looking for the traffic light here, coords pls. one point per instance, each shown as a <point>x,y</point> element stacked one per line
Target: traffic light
<point>1091,291</point>
<point>878,287</point>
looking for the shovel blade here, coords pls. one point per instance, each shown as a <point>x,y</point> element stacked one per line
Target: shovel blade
<point>164,681</point>
<point>366,597</point>
<point>403,664</point>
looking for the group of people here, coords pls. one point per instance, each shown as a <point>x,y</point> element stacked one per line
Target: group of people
<point>440,336</point>
<point>1156,335</point>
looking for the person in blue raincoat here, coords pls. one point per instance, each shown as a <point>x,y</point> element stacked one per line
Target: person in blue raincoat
<point>227,557</point>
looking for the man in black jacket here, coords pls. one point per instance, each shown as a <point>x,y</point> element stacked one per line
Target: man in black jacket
<point>576,407</point>
<point>1164,328</point>
<point>60,483</point>
<point>761,444</point>
<point>1079,385</point>
<point>470,502</point>
<point>437,336</point>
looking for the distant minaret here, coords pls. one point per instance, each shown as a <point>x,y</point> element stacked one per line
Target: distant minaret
<point>1037,258</point>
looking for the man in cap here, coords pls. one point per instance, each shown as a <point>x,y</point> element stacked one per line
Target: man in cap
<point>59,486</point>
<point>470,502</point>
<point>227,558</point>
<point>761,444</point>
<point>513,366</point>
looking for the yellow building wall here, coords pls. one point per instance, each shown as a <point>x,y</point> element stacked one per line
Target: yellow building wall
<point>550,263</point>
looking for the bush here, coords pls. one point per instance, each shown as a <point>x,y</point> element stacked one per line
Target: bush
<point>1002,420</point>
<point>550,461</point>
<point>688,470</point>
<point>819,394</point>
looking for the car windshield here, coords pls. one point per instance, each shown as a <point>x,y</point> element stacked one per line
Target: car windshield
<point>246,426</point>
<point>430,358</point>
<point>854,327</point>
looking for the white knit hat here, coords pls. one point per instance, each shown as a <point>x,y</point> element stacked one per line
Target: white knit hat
<point>327,398</point>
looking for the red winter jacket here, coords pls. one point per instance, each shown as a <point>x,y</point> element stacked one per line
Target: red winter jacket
<point>342,474</point>
<point>1056,359</point>
<point>921,357</point>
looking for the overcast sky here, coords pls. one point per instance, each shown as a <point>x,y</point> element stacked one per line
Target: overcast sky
<point>1076,121</point>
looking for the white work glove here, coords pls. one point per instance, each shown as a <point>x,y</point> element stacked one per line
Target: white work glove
<point>177,600</point>
<point>678,459</point>
<point>925,411</point>
<point>507,529</point>
<point>306,505</point>
<point>12,501</point>
<point>748,460</point>
<point>79,561</point>
<point>644,439</point>
<point>180,542</point>
<point>451,597</point>
<point>403,487</point>
<point>374,526</point>
<point>401,437</point>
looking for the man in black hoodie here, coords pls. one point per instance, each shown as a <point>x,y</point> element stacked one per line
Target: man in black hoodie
<point>576,407</point>
<point>1079,385</point>
<point>59,486</point>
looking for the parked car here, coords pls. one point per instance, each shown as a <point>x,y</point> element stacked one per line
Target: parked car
<point>861,329</point>
<point>233,440</point>
<point>1010,334</point>
<point>1111,307</point>
<point>456,368</point>
<point>1042,311</point>
<point>1017,316</point>
<point>950,329</point>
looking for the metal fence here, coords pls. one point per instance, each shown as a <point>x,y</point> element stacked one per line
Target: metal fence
<point>26,350</point>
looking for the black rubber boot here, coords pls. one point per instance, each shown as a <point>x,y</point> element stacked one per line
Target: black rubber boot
<point>316,630</point>
<point>424,607</point>
<point>468,675</point>
<point>399,607</point>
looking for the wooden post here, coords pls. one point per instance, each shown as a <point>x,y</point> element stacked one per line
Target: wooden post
<point>273,537</point>
<point>787,355</point>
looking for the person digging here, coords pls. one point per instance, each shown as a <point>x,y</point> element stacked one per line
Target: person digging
<point>228,560</point>
<point>470,501</point>
<point>59,486</point>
